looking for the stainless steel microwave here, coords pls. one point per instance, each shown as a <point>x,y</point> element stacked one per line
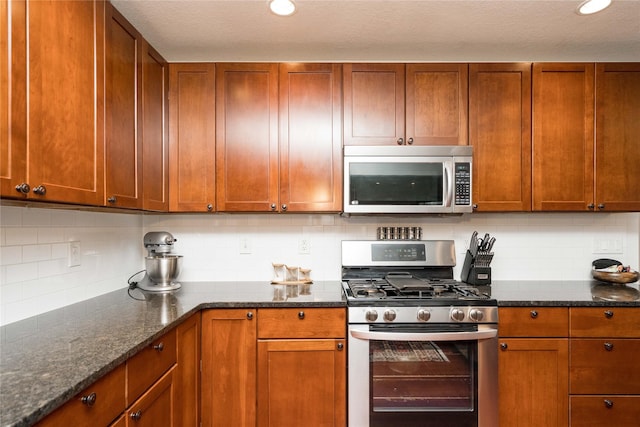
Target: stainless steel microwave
<point>407,179</point>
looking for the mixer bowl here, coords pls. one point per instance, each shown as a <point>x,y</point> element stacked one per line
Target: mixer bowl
<point>163,269</point>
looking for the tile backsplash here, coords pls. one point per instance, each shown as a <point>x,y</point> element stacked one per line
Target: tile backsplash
<point>35,275</point>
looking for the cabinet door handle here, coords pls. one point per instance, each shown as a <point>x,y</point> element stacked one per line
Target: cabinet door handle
<point>250,315</point>
<point>284,207</point>
<point>159,347</point>
<point>608,314</point>
<point>23,188</point>
<point>601,206</point>
<point>608,403</point>
<point>504,346</point>
<point>40,190</point>
<point>340,346</point>
<point>301,315</point>
<point>136,415</point>
<point>209,207</point>
<point>273,206</point>
<point>400,141</point>
<point>591,206</point>
<point>410,141</point>
<point>534,314</point>
<point>608,346</point>
<point>112,199</point>
<point>89,400</point>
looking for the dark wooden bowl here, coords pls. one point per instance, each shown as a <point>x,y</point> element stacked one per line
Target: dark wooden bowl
<point>605,276</point>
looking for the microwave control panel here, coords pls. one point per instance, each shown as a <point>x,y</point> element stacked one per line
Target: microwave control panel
<point>463,183</point>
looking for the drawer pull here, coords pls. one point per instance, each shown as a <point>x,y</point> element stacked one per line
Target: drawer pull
<point>504,346</point>
<point>250,315</point>
<point>89,400</point>
<point>534,314</point>
<point>608,314</point>
<point>608,403</point>
<point>136,415</point>
<point>301,315</point>
<point>608,346</point>
<point>159,347</point>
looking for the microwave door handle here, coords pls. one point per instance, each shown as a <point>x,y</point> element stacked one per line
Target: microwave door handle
<point>448,185</point>
<point>425,336</point>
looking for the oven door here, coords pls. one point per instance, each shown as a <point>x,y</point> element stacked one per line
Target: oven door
<point>423,375</point>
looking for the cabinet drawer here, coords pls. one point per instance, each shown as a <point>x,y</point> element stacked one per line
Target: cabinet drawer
<point>545,322</point>
<point>598,411</point>
<point>108,399</point>
<point>301,323</point>
<point>604,366</point>
<point>156,406</point>
<point>612,322</point>
<point>148,365</point>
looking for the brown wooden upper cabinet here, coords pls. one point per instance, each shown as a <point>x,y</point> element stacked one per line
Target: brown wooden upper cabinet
<point>419,104</point>
<point>500,133</point>
<point>57,102</point>
<point>123,147</point>
<point>192,137</point>
<point>617,163</point>
<point>563,136</point>
<point>278,142</point>
<point>155,124</point>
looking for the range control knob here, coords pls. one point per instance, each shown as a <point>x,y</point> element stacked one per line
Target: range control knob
<point>371,315</point>
<point>476,315</point>
<point>457,314</point>
<point>389,315</point>
<point>424,315</point>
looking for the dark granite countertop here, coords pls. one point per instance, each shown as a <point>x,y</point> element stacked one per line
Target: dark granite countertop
<point>47,359</point>
<point>575,293</point>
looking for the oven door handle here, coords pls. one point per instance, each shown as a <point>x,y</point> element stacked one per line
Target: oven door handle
<point>425,336</point>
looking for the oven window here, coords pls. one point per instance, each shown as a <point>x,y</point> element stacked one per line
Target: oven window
<point>396,183</point>
<point>422,376</point>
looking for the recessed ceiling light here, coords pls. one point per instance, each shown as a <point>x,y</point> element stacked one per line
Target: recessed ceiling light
<point>282,7</point>
<point>588,7</point>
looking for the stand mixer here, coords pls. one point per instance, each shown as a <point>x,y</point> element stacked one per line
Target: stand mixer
<point>162,268</point>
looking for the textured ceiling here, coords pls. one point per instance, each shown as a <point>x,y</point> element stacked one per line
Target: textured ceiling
<point>387,30</point>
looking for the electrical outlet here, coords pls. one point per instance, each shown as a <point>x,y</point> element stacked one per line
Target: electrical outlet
<point>245,246</point>
<point>304,246</point>
<point>75,254</point>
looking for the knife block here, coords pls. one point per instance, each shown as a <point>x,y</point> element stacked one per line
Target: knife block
<point>474,275</point>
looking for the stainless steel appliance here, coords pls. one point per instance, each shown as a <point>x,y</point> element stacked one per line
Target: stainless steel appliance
<point>407,179</point>
<point>422,346</point>
<point>162,267</point>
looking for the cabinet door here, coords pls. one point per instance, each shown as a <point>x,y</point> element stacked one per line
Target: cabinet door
<point>563,136</point>
<point>123,148</point>
<point>436,104</point>
<point>301,382</point>
<point>310,137</point>
<point>187,373</point>
<point>228,368</point>
<point>500,133</point>
<point>247,137</point>
<point>533,382</point>
<point>192,137</point>
<point>13,169</point>
<point>374,104</point>
<point>155,142</point>
<point>617,136</point>
<point>65,92</point>
<point>97,405</point>
<point>155,407</point>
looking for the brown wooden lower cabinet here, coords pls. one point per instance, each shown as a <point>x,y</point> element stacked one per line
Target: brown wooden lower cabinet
<point>159,387</point>
<point>598,411</point>
<point>301,382</point>
<point>155,407</point>
<point>533,382</point>
<point>286,368</point>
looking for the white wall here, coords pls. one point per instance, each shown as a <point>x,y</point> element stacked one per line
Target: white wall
<point>34,276</point>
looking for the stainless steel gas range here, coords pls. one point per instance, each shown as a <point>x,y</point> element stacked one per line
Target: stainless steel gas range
<point>422,346</point>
